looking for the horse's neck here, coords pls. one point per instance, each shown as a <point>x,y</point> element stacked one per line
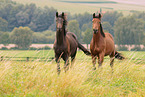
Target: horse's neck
<point>60,37</point>
<point>97,38</point>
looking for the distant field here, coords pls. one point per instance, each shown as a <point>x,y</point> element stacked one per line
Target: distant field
<point>81,6</point>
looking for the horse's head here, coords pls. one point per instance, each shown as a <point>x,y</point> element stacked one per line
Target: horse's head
<point>97,26</point>
<point>61,21</point>
<point>96,23</point>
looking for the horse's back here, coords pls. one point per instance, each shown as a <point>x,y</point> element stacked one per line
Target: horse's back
<point>108,35</point>
<point>72,39</point>
<point>72,35</point>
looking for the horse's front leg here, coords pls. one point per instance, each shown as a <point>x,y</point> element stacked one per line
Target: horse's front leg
<point>66,59</point>
<point>94,62</point>
<point>58,65</point>
<point>100,59</point>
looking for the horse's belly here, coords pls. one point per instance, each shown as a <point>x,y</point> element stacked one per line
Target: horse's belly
<point>109,49</point>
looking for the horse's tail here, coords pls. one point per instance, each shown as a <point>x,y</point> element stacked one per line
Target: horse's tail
<point>80,46</point>
<point>119,56</point>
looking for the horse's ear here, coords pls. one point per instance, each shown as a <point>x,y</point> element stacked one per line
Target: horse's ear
<point>63,14</point>
<point>100,15</point>
<point>56,14</point>
<point>94,15</point>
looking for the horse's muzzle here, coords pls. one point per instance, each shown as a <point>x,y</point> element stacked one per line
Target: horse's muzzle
<point>59,29</point>
<point>95,31</point>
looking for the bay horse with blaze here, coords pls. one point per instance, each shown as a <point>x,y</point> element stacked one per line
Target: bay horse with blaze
<point>66,43</point>
<point>102,44</point>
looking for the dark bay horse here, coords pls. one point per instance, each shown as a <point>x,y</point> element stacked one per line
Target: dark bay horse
<point>66,43</point>
<point>102,44</point>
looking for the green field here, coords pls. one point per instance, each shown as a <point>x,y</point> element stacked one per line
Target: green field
<point>39,78</point>
<point>12,54</point>
<point>81,6</point>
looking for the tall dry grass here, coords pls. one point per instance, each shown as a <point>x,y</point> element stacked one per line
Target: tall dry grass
<point>40,79</point>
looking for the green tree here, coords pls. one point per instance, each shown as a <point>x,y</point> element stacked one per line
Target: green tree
<point>86,26</point>
<point>83,18</point>
<point>22,18</point>
<point>140,15</point>
<point>3,24</point>
<point>143,41</point>
<point>38,19</point>
<point>87,36</point>
<point>49,35</point>
<point>4,38</point>
<point>73,26</point>
<point>38,37</point>
<point>44,37</point>
<point>129,30</point>
<point>42,19</point>
<point>108,28</point>
<point>8,12</point>
<point>111,17</point>
<point>22,37</point>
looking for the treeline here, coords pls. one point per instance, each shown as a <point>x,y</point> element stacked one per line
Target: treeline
<point>16,15</point>
<point>17,19</point>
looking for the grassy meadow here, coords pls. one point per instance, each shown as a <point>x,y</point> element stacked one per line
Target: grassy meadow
<point>81,6</point>
<point>39,78</point>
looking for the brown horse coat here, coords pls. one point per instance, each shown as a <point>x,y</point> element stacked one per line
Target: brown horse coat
<point>66,43</point>
<point>102,44</point>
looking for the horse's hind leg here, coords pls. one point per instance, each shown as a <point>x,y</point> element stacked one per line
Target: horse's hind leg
<point>94,62</point>
<point>73,59</point>
<point>111,61</point>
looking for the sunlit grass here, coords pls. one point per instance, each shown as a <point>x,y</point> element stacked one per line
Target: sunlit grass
<point>40,79</point>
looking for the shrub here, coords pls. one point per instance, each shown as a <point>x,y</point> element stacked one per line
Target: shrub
<point>4,48</point>
<point>122,48</point>
<point>32,48</point>
<point>143,49</point>
<point>14,48</point>
<point>136,49</point>
<point>43,48</point>
<point>47,48</point>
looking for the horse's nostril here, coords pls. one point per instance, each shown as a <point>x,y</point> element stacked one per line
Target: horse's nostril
<point>95,31</point>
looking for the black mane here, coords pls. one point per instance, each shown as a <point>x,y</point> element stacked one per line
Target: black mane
<point>102,32</point>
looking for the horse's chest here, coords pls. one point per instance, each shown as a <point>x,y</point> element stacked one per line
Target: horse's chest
<point>96,49</point>
<point>61,49</point>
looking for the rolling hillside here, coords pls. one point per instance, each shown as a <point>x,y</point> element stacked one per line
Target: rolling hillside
<point>81,6</point>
